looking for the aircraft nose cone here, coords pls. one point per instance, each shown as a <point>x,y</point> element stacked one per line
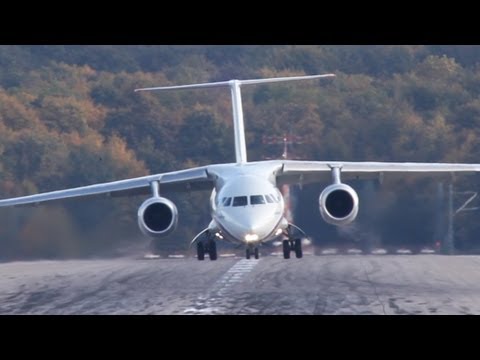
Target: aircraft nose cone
<point>253,225</point>
<point>256,225</point>
<point>249,224</point>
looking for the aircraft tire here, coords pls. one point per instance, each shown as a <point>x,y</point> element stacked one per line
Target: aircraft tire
<point>212,250</point>
<point>298,248</point>
<point>200,251</point>
<point>286,249</point>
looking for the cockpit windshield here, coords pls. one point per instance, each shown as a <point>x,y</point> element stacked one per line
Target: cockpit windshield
<point>240,201</point>
<point>257,200</point>
<point>254,200</point>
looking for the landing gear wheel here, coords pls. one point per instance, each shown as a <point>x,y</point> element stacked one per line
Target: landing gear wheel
<point>247,253</point>
<point>298,248</point>
<point>286,249</point>
<point>200,251</point>
<point>212,250</point>
<point>255,252</point>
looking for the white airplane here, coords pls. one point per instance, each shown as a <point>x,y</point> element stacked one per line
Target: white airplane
<point>246,206</point>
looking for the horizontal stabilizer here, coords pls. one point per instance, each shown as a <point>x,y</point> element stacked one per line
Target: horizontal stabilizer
<point>239,82</point>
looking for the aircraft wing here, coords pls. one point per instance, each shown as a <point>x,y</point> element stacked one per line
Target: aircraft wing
<point>305,172</point>
<point>184,180</point>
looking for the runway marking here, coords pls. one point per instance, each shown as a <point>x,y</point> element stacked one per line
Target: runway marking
<point>428,251</point>
<point>210,303</point>
<point>329,252</point>
<point>151,256</point>
<point>377,295</point>
<point>354,251</point>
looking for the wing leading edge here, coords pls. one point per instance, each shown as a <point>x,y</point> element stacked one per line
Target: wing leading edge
<point>184,180</point>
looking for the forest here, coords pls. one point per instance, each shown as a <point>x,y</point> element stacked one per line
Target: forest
<point>69,117</point>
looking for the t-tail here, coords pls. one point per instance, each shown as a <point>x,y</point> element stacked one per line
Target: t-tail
<point>240,146</point>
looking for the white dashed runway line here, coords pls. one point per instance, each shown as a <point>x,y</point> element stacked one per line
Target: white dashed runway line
<point>210,303</point>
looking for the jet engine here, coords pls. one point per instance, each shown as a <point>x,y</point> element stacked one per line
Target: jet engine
<point>157,217</point>
<point>338,204</point>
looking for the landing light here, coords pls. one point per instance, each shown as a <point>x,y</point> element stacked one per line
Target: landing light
<point>251,237</point>
<point>218,235</point>
<point>278,232</point>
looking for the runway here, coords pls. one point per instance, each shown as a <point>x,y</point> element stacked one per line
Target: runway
<point>334,284</point>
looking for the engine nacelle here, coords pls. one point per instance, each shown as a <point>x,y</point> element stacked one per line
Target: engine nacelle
<point>157,217</point>
<point>338,204</point>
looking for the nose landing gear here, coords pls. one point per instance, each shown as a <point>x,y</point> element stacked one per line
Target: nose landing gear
<point>248,253</point>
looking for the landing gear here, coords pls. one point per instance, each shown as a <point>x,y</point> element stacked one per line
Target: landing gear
<point>292,244</point>
<point>210,247</point>
<point>286,249</point>
<point>200,251</point>
<point>295,245</point>
<point>248,253</point>
<point>298,248</point>
<point>212,250</point>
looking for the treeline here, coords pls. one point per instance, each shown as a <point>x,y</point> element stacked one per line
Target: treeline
<point>69,117</point>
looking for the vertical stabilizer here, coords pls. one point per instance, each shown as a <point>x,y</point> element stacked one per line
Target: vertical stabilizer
<point>238,124</point>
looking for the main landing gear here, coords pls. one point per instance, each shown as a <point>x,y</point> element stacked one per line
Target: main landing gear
<point>252,251</point>
<point>292,244</point>
<point>208,247</point>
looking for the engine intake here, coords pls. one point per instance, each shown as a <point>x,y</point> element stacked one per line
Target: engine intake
<point>157,217</point>
<point>338,204</point>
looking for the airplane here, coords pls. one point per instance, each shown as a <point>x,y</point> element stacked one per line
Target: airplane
<point>246,205</point>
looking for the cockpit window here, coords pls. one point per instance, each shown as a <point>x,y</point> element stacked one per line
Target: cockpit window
<point>257,200</point>
<point>275,198</point>
<point>269,199</point>
<point>227,201</point>
<point>240,201</point>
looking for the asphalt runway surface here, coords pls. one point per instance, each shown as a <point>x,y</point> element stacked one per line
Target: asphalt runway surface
<point>334,284</point>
